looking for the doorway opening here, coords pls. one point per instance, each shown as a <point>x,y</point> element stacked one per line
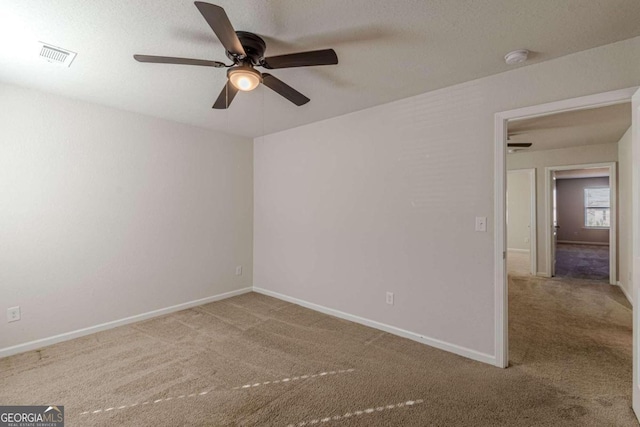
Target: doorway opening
<point>506,130</point>
<point>583,222</point>
<point>561,323</point>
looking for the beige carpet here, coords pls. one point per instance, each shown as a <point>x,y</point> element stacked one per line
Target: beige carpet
<point>257,361</point>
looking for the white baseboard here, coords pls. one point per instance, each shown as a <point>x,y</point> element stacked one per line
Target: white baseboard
<point>572,242</point>
<point>524,251</point>
<point>626,294</point>
<point>33,345</point>
<point>442,345</point>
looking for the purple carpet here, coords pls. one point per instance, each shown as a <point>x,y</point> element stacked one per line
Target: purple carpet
<point>582,261</point>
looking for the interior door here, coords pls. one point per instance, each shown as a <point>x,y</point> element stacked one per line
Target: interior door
<point>635,149</point>
<point>554,223</point>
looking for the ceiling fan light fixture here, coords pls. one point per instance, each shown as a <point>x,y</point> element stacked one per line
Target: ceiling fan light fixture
<point>244,78</point>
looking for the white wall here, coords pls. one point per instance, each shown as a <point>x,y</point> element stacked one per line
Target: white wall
<point>385,199</point>
<point>518,210</point>
<point>625,242</point>
<point>106,214</point>
<point>560,157</point>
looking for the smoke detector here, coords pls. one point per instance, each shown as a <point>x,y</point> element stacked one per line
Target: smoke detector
<point>516,57</point>
<point>56,55</point>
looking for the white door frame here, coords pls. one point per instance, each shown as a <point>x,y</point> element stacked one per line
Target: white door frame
<point>533,229</point>
<point>500,270</point>
<point>635,294</point>
<point>613,229</point>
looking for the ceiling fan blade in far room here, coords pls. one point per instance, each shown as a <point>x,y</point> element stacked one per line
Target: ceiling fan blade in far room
<point>520,144</point>
<point>284,89</point>
<point>219,22</point>
<point>181,61</point>
<point>301,59</point>
<point>229,92</point>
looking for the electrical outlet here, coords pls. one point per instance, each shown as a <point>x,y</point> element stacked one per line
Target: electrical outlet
<point>239,270</point>
<point>390,298</point>
<point>13,314</point>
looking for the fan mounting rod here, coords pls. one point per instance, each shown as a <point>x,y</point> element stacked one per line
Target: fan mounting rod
<point>254,48</point>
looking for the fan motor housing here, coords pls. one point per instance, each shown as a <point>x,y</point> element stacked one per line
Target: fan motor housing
<point>253,46</point>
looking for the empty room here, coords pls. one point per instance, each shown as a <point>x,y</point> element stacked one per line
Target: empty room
<point>286,213</point>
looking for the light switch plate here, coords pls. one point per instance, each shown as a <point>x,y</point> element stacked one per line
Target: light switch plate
<point>481,223</point>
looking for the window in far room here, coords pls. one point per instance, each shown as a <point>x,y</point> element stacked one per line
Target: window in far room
<point>597,208</point>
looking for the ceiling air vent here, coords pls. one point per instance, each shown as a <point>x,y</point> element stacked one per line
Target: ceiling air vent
<point>56,55</point>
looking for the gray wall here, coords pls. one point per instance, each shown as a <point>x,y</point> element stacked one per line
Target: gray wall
<point>570,205</point>
<point>385,199</point>
<point>107,214</point>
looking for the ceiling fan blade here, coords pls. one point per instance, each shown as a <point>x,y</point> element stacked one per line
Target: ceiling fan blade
<point>284,89</point>
<point>519,144</point>
<point>229,92</point>
<point>219,22</point>
<point>301,59</point>
<point>172,60</point>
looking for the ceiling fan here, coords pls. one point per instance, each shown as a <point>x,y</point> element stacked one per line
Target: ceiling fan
<point>246,50</point>
<point>514,147</point>
<point>519,144</point>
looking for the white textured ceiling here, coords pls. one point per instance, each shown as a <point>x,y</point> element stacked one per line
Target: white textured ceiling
<point>388,50</point>
<point>604,125</point>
